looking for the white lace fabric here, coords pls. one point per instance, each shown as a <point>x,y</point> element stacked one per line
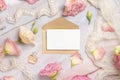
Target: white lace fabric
<point>108,12</point>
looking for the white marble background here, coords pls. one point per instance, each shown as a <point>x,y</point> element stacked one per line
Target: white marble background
<point>44,59</point>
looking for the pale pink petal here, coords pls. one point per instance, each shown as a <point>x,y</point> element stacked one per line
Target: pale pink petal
<point>107,28</point>
<point>31,1</point>
<point>73,7</point>
<point>76,59</point>
<point>11,48</point>
<point>9,78</point>
<point>81,77</point>
<point>3,5</point>
<point>98,53</point>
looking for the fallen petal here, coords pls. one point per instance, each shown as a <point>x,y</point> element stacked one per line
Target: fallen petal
<point>31,1</point>
<point>9,78</point>
<point>107,28</point>
<point>76,59</point>
<point>81,77</point>
<point>11,48</point>
<point>98,53</point>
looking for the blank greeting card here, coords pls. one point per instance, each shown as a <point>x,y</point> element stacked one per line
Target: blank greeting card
<point>60,36</point>
<point>63,39</point>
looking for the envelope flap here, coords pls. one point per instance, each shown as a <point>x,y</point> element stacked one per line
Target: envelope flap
<point>60,23</point>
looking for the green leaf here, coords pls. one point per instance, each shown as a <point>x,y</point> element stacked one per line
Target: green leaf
<point>72,65</point>
<point>33,24</point>
<point>89,16</point>
<point>20,41</point>
<point>54,76</point>
<point>36,29</point>
<point>5,51</point>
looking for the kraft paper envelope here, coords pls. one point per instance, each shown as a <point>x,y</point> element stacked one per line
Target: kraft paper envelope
<point>58,25</point>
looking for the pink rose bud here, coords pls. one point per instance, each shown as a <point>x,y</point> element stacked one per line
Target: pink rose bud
<point>81,77</point>
<point>31,1</point>
<point>73,7</point>
<point>3,5</point>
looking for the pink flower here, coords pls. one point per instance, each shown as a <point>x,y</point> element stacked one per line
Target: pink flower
<point>31,1</point>
<point>51,70</point>
<point>81,77</point>
<point>3,5</point>
<point>11,47</point>
<point>73,7</point>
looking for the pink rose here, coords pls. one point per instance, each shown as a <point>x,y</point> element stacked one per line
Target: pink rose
<point>51,70</point>
<point>3,5</point>
<point>80,77</point>
<point>73,7</point>
<point>31,1</point>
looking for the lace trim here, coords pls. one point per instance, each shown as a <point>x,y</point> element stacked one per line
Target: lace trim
<point>51,11</point>
<point>28,74</point>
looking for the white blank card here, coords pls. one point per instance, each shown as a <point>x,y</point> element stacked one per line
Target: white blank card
<point>63,39</point>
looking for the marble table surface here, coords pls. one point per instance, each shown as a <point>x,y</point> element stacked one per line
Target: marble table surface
<point>44,59</point>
